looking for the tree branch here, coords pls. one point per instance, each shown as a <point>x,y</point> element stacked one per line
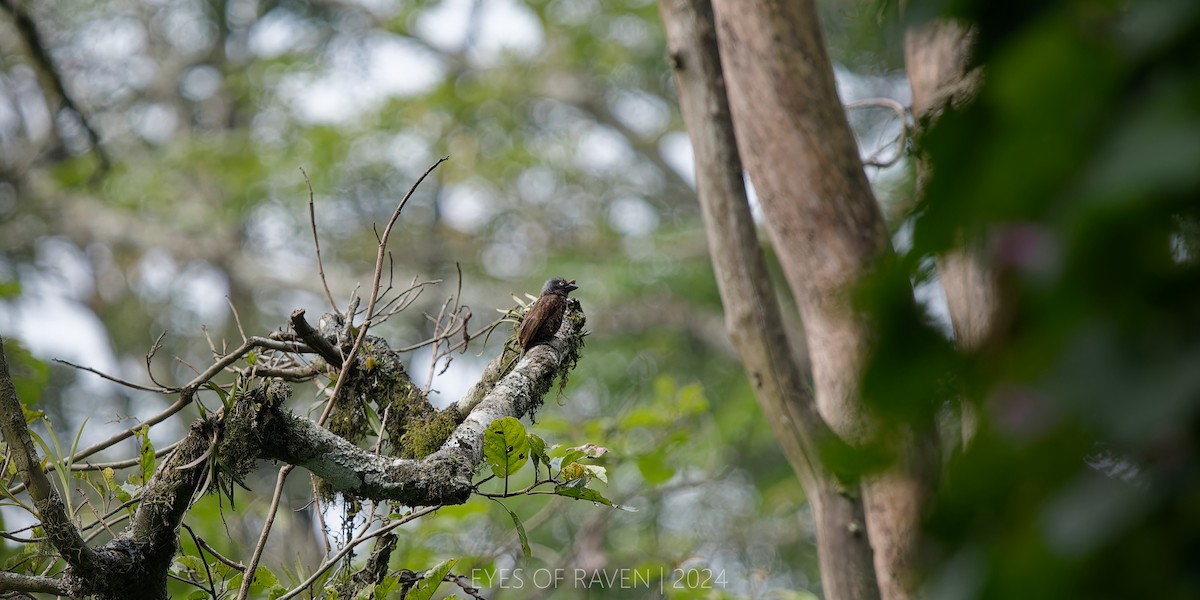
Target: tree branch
<point>60,530</point>
<point>15,582</point>
<point>444,477</point>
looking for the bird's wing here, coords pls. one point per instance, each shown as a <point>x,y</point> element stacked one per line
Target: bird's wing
<point>532,322</point>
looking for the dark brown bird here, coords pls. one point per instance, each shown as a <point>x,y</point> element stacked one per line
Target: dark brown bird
<point>546,315</point>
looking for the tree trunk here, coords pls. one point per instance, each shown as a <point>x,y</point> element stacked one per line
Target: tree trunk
<point>827,230</point>
<point>752,314</point>
<point>937,58</point>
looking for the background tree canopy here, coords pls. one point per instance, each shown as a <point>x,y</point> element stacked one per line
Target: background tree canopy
<point>173,183</point>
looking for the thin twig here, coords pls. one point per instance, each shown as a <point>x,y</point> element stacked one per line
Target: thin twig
<point>351,544</point>
<point>458,289</point>
<point>403,299</point>
<point>116,380</point>
<point>125,517</point>
<point>186,394</point>
<point>312,221</point>
<point>118,464</point>
<point>374,298</point>
<point>100,519</point>
<point>154,348</point>
<point>438,336</point>
<point>320,513</point>
<point>303,373</point>
<point>448,334</point>
<point>237,319</point>
<point>252,566</point>
<point>901,114</point>
<point>212,589</point>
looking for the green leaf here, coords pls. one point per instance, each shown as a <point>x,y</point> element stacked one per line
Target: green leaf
<point>537,451</point>
<point>383,589</point>
<point>570,455</point>
<point>147,454</point>
<point>646,416</point>
<point>520,532</point>
<point>691,400</point>
<point>574,471</point>
<point>581,493</point>
<point>222,394</point>
<point>425,588</point>
<point>110,481</point>
<point>190,564</point>
<point>586,493</point>
<point>598,472</point>
<point>506,446</point>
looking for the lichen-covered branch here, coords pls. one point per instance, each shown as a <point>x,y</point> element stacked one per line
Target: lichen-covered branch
<point>227,445</point>
<point>16,582</point>
<point>444,477</point>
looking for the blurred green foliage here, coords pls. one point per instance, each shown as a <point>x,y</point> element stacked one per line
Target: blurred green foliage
<point>1076,170</point>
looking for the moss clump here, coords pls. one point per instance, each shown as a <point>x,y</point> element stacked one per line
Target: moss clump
<point>238,452</point>
<point>423,437</point>
<point>577,320</point>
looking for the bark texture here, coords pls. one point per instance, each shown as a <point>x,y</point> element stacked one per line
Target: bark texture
<point>821,214</point>
<point>827,230</point>
<point>752,315</point>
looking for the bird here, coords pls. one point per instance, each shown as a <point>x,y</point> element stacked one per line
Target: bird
<point>546,315</point>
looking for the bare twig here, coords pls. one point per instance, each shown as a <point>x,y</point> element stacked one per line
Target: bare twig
<point>154,348</point>
<point>117,464</point>
<point>116,380</point>
<point>312,221</point>
<point>350,545</point>
<point>251,566</point>
<point>99,519</point>
<point>186,394</point>
<point>200,550</point>
<point>438,336</point>
<point>374,298</point>
<point>901,114</point>
<point>403,299</point>
<point>237,319</point>
<point>301,373</point>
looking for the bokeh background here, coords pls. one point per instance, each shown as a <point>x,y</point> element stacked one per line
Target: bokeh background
<point>567,158</point>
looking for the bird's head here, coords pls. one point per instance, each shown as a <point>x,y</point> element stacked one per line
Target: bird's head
<point>559,286</point>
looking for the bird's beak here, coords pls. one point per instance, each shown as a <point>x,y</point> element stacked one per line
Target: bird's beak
<point>571,286</point>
